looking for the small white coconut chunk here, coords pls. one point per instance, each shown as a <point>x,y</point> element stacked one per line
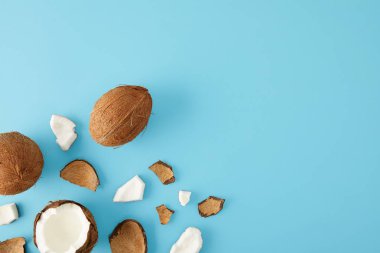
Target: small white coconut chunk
<point>189,242</point>
<point>132,190</point>
<point>63,229</point>
<point>184,197</point>
<point>8,214</point>
<point>64,130</point>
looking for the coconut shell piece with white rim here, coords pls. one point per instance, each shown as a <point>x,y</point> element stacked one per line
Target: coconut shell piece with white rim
<point>82,173</point>
<point>164,214</point>
<point>120,115</point>
<point>210,206</point>
<point>163,171</point>
<point>14,245</point>
<point>189,242</point>
<point>128,236</point>
<point>60,219</point>
<point>21,163</point>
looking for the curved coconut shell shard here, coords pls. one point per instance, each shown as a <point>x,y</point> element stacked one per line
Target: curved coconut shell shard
<point>210,206</point>
<point>120,115</point>
<point>164,214</point>
<point>81,172</point>
<point>164,172</point>
<point>14,245</point>
<point>92,234</point>
<point>128,236</point>
<point>21,163</point>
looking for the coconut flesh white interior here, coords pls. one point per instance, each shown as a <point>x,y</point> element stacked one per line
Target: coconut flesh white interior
<point>63,229</point>
<point>184,197</point>
<point>132,190</point>
<point>8,214</point>
<point>64,130</point>
<point>189,242</point>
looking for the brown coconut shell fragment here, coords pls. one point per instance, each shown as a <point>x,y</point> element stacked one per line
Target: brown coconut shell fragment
<point>92,237</point>
<point>210,206</point>
<point>163,171</point>
<point>81,172</point>
<point>128,236</point>
<point>164,214</point>
<point>14,245</point>
<point>21,163</point>
<point>120,115</point>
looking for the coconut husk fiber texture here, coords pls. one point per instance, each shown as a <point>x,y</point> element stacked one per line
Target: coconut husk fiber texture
<point>128,236</point>
<point>14,245</point>
<point>120,115</point>
<point>82,173</point>
<point>21,163</point>
<point>164,214</point>
<point>210,206</point>
<point>164,172</point>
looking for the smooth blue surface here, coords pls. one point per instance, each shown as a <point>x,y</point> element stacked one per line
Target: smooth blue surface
<point>273,105</point>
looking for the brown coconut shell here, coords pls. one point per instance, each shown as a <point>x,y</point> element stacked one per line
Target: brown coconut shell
<point>128,236</point>
<point>14,245</point>
<point>163,171</point>
<point>21,163</point>
<point>210,206</point>
<point>92,236</point>
<point>120,115</point>
<point>164,214</point>
<point>81,172</point>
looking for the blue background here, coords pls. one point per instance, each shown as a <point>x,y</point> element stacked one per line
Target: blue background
<point>273,105</point>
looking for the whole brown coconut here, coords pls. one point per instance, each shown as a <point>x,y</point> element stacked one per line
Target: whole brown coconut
<point>120,115</point>
<point>21,163</point>
<point>92,235</point>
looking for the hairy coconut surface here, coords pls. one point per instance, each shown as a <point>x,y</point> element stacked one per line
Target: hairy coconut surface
<point>163,171</point>
<point>14,245</point>
<point>120,115</point>
<point>210,206</point>
<point>92,235</point>
<point>21,163</point>
<point>164,214</point>
<point>81,172</point>
<point>129,236</point>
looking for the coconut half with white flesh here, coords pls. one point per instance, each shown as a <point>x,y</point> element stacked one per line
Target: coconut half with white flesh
<point>64,130</point>
<point>65,226</point>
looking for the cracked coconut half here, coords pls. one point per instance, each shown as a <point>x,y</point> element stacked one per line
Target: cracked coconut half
<point>164,214</point>
<point>210,206</point>
<point>163,171</point>
<point>14,245</point>
<point>128,236</point>
<point>81,172</point>
<point>65,226</point>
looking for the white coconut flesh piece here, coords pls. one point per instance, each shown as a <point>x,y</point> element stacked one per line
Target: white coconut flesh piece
<point>64,131</point>
<point>189,242</point>
<point>184,197</point>
<point>133,190</point>
<point>8,214</point>
<point>63,229</point>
